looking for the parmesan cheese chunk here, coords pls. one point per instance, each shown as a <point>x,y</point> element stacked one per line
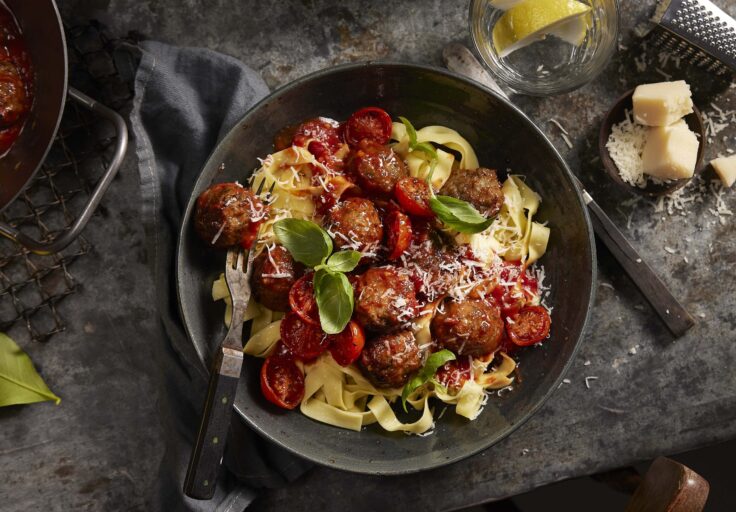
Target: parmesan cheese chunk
<point>725,168</point>
<point>670,152</point>
<point>662,103</point>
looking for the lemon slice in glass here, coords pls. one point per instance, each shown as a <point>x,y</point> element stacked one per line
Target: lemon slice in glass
<point>533,20</point>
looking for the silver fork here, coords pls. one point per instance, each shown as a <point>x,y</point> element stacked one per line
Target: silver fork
<point>224,375</point>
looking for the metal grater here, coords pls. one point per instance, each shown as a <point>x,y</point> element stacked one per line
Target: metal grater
<point>698,31</point>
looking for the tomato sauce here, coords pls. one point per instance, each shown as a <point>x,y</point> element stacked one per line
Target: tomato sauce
<point>16,80</point>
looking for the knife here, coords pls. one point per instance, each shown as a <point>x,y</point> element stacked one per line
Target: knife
<point>461,60</point>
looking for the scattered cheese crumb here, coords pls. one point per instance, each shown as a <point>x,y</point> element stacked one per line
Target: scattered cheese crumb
<point>588,379</point>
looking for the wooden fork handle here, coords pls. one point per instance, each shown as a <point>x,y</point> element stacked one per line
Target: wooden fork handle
<point>209,447</point>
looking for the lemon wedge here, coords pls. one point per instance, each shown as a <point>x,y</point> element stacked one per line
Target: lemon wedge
<point>533,20</point>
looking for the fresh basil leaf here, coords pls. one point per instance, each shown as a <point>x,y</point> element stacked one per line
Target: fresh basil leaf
<point>410,131</point>
<point>306,241</point>
<point>344,261</point>
<point>459,215</point>
<point>20,383</point>
<point>434,362</point>
<point>334,295</point>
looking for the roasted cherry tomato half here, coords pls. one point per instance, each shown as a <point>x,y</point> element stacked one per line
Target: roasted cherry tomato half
<point>302,301</point>
<point>413,196</point>
<point>282,382</point>
<point>453,374</point>
<point>321,137</point>
<point>347,346</point>
<point>529,326</point>
<point>398,237</point>
<point>370,123</point>
<point>304,340</point>
<point>518,290</point>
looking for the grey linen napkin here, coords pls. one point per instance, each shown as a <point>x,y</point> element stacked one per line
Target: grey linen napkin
<point>186,99</point>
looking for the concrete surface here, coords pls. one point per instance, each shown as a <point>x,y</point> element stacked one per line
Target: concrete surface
<point>652,395</point>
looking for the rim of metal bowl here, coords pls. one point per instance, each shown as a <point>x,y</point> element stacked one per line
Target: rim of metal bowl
<point>293,448</point>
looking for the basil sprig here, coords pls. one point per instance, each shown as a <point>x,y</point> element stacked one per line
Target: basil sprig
<point>311,245</point>
<point>454,213</point>
<point>458,214</point>
<point>306,241</point>
<point>434,363</point>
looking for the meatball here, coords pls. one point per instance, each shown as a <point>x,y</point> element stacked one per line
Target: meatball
<point>376,167</point>
<point>355,224</point>
<point>274,273</point>
<point>434,268</point>
<point>13,95</point>
<point>229,215</point>
<point>389,360</point>
<point>470,327</point>
<point>479,187</point>
<point>385,299</point>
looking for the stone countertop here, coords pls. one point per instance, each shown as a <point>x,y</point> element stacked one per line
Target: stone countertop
<point>650,395</point>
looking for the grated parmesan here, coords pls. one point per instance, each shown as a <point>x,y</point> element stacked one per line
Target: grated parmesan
<point>625,145</point>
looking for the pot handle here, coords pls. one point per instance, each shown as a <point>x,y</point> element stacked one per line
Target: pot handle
<point>63,240</point>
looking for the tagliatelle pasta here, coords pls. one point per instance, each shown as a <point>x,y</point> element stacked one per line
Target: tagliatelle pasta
<point>303,184</point>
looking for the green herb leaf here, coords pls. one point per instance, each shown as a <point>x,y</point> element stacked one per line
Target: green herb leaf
<point>427,148</point>
<point>19,381</point>
<point>344,261</point>
<point>459,215</point>
<point>334,295</point>
<point>434,362</point>
<point>306,241</point>
<point>410,131</point>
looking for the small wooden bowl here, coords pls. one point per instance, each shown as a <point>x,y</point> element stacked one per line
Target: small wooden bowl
<point>615,115</point>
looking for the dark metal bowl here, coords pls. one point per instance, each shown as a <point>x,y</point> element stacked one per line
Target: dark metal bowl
<point>503,137</point>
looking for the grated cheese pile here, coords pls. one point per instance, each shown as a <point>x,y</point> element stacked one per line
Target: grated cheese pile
<point>625,145</point>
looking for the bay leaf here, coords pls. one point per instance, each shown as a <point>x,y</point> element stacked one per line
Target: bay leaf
<point>20,383</point>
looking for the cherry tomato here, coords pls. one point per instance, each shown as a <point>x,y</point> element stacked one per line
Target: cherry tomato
<point>413,196</point>
<point>370,123</point>
<point>529,326</point>
<point>398,228</point>
<point>453,374</point>
<point>301,299</point>
<point>304,340</point>
<point>321,137</point>
<point>347,346</point>
<point>282,382</point>
<point>510,297</point>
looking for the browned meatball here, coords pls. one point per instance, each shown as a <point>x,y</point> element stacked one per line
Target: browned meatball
<point>228,215</point>
<point>13,95</point>
<point>376,167</point>
<point>389,360</point>
<point>471,327</point>
<point>435,268</point>
<point>479,187</point>
<point>274,272</point>
<point>385,299</point>
<point>355,224</point>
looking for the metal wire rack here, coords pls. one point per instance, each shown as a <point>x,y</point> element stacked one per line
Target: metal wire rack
<point>32,286</point>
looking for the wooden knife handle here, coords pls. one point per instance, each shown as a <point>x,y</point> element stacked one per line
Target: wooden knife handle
<point>672,313</point>
<point>208,449</point>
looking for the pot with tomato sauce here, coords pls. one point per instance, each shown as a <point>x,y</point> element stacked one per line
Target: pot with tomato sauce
<point>16,80</point>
